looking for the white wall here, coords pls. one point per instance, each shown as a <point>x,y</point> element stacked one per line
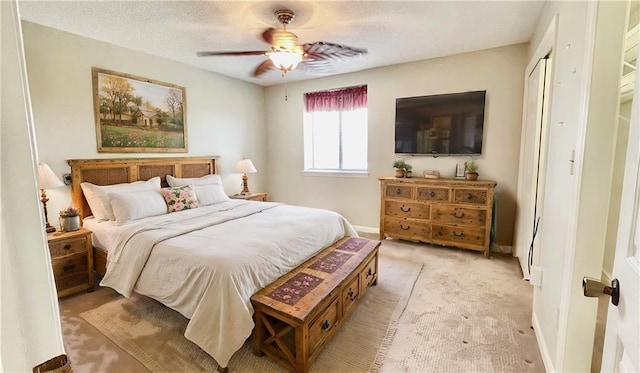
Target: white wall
<point>30,331</point>
<point>498,70</point>
<point>572,231</point>
<point>224,116</point>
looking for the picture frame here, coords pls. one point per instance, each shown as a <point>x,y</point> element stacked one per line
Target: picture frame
<point>138,115</point>
<point>461,169</point>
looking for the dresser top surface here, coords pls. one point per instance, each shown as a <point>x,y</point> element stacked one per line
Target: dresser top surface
<point>439,182</point>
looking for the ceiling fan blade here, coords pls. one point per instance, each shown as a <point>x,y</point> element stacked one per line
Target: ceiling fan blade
<point>316,66</point>
<point>321,50</point>
<point>267,35</point>
<point>245,53</point>
<point>263,67</point>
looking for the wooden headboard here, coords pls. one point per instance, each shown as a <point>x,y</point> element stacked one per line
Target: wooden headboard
<point>126,170</point>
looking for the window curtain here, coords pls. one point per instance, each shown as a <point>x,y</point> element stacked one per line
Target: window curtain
<point>343,99</point>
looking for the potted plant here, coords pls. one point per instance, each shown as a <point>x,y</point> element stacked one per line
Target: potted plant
<point>399,165</point>
<point>70,219</point>
<point>407,170</point>
<point>471,170</point>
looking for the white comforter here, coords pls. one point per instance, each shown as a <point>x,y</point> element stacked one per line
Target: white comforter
<point>207,262</point>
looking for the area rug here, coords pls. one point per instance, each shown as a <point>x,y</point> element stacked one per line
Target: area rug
<point>153,334</point>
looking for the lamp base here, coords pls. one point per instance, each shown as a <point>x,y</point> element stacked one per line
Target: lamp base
<point>49,228</point>
<point>245,185</point>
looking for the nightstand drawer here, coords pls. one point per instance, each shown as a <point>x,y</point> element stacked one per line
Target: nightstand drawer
<point>71,266</point>
<point>67,247</point>
<point>76,280</point>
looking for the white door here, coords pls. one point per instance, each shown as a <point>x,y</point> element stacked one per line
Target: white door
<point>622,339</point>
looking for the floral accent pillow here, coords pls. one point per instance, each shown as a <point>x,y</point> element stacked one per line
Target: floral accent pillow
<point>180,198</point>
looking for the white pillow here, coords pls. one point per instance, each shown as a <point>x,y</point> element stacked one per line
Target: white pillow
<point>98,195</point>
<point>205,180</point>
<point>137,205</point>
<point>210,194</point>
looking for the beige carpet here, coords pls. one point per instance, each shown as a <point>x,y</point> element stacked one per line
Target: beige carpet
<point>153,334</point>
<point>466,314</point>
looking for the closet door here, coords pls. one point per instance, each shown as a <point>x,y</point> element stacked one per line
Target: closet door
<point>532,159</point>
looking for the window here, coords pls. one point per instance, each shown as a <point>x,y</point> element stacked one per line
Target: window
<point>335,130</point>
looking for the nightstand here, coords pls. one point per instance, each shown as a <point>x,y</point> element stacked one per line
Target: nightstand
<point>72,261</point>
<point>262,197</point>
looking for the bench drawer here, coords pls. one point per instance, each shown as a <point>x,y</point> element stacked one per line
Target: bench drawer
<point>368,274</point>
<point>322,326</point>
<point>350,294</point>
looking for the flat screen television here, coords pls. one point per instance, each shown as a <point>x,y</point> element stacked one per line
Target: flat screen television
<point>447,124</point>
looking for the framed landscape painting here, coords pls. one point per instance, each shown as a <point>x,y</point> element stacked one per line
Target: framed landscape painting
<point>138,115</point>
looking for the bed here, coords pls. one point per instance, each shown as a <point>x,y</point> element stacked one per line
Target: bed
<point>203,262</point>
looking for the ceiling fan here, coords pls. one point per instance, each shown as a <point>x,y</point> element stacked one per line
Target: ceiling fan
<point>285,53</point>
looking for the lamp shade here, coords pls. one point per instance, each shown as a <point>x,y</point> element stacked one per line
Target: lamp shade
<point>245,166</point>
<point>47,178</point>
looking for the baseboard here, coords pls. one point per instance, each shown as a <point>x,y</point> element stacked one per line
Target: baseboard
<point>364,229</point>
<point>606,277</point>
<point>503,249</point>
<point>546,358</point>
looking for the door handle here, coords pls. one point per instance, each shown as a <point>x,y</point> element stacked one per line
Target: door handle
<point>594,288</point>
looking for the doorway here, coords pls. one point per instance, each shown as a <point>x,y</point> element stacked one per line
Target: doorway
<point>627,78</point>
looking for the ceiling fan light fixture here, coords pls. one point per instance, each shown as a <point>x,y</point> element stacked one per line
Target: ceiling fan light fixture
<point>285,60</point>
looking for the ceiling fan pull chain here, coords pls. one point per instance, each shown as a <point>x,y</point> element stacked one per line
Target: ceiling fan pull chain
<point>286,88</point>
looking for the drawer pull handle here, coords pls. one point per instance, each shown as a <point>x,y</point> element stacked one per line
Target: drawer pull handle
<point>432,194</point>
<point>69,267</point>
<point>403,228</point>
<point>469,196</point>
<point>325,325</point>
<point>458,235</point>
<point>369,272</point>
<point>398,191</point>
<point>455,215</point>
<point>351,295</point>
<point>67,246</point>
<point>403,210</point>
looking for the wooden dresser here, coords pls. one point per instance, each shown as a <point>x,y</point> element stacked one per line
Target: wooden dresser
<point>447,212</point>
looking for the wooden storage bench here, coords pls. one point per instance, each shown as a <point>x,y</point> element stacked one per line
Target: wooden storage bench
<point>301,311</point>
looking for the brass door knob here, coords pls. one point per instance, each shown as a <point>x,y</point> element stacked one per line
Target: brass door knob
<point>594,288</point>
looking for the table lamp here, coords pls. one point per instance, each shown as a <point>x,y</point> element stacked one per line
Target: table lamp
<point>244,167</point>
<point>47,179</point>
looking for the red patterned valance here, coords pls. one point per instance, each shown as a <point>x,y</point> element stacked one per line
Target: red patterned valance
<point>343,99</point>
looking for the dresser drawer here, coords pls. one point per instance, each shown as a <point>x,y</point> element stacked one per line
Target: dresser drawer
<point>407,228</point>
<point>406,210</point>
<point>399,191</point>
<point>350,294</point>
<point>473,236</point>
<point>447,214</point>
<point>433,194</point>
<point>471,196</point>
<point>322,326</point>
<point>67,247</point>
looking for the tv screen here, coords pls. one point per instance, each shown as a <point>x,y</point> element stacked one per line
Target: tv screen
<point>447,124</point>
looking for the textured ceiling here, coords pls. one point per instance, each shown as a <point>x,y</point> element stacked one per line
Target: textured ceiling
<point>392,31</point>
